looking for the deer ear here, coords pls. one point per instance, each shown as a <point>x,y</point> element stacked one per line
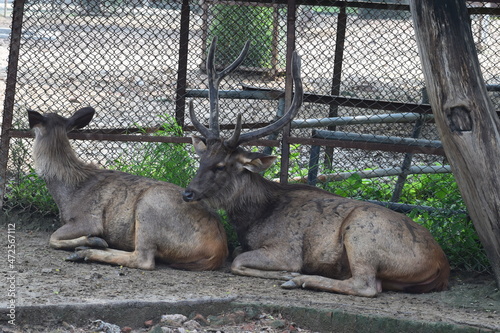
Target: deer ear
<point>35,118</point>
<point>81,118</point>
<point>256,162</point>
<point>199,145</point>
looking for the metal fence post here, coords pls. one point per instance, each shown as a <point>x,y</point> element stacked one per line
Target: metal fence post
<point>8,109</point>
<point>180,100</point>
<point>285,146</point>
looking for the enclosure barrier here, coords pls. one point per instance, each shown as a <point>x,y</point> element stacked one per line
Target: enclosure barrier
<point>429,146</point>
<point>137,62</point>
<point>376,173</point>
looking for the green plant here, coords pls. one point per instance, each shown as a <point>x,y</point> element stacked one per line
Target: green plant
<point>457,236</point>
<point>232,236</point>
<point>295,169</point>
<point>29,192</point>
<point>25,190</point>
<point>363,189</point>
<point>168,162</point>
<point>234,25</point>
<point>449,224</point>
<point>436,190</point>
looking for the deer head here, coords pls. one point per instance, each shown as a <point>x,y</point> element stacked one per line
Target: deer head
<point>223,162</point>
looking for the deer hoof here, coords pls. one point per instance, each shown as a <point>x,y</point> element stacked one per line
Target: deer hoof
<point>289,275</point>
<point>290,285</point>
<point>76,256</point>
<point>97,242</point>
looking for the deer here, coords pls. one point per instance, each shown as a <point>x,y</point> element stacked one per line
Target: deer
<point>300,234</point>
<point>117,218</point>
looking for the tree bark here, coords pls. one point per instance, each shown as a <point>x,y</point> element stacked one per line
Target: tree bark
<point>468,126</point>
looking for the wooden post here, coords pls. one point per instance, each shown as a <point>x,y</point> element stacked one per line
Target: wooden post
<point>468,126</point>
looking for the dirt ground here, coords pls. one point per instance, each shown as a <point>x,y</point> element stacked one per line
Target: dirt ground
<point>44,278</point>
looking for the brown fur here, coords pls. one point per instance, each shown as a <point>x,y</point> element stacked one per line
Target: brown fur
<point>298,233</point>
<point>311,237</point>
<point>125,219</point>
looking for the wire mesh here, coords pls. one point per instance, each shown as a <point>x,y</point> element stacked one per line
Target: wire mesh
<point>131,62</point>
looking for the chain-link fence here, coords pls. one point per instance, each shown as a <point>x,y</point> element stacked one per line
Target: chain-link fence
<point>365,131</point>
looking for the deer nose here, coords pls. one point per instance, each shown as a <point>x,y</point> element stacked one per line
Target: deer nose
<point>188,196</point>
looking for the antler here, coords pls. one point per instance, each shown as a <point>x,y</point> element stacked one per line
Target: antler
<point>236,139</point>
<point>214,78</point>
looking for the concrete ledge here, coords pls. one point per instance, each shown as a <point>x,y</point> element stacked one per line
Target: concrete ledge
<point>135,313</point>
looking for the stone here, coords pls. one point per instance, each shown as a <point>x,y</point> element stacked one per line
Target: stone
<point>173,319</point>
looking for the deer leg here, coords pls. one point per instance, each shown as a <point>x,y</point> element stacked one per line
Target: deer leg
<point>368,287</point>
<point>363,281</point>
<point>70,236</point>
<point>116,257</point>
<point>261,263</point>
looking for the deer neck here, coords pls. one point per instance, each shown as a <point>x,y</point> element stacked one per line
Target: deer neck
<point>56,161</point>
<point>253,199</point>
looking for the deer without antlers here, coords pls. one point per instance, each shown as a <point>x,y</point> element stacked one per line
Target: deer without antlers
<point>118,218</point>
<point>301,234</point>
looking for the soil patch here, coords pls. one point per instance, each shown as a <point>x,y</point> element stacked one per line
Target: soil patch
<point>48,288</point>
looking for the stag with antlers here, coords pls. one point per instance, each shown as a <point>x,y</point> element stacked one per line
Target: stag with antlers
<point>303,235</point>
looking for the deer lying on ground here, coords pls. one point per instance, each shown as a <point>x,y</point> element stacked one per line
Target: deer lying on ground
<point>301,234</point>
<point>117,218</point>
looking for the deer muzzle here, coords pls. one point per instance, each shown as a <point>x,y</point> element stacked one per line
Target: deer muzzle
<point>188,196</point>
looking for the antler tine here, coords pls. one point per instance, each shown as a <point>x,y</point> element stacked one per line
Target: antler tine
<point>233,141</point>
<point>213,91</point>
<point>292,110</point>
<point>214,79</point>
<point>237,62</point>
<point>205,132</point>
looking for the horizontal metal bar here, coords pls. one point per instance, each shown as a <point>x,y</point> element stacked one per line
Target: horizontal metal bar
<point>81,135</point>
<point>345,136</point>
<point>398,148</point>
<point>377,173</point>
<point>370,119</point>
<point>407,208</point>
<point>238,94</point>
<point>96,136</point>
<point>330,3</point>
<point>270,94</point>
<point>493,87</point>
<point>362,4</point>
<point>367,103</point>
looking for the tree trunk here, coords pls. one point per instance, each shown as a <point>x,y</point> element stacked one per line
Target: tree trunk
<point>468,126</point>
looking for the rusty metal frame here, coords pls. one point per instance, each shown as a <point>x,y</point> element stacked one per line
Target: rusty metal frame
<point>127,134</point>
<point>10,90</point>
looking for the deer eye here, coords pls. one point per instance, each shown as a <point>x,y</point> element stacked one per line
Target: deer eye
<point>220,167</point>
